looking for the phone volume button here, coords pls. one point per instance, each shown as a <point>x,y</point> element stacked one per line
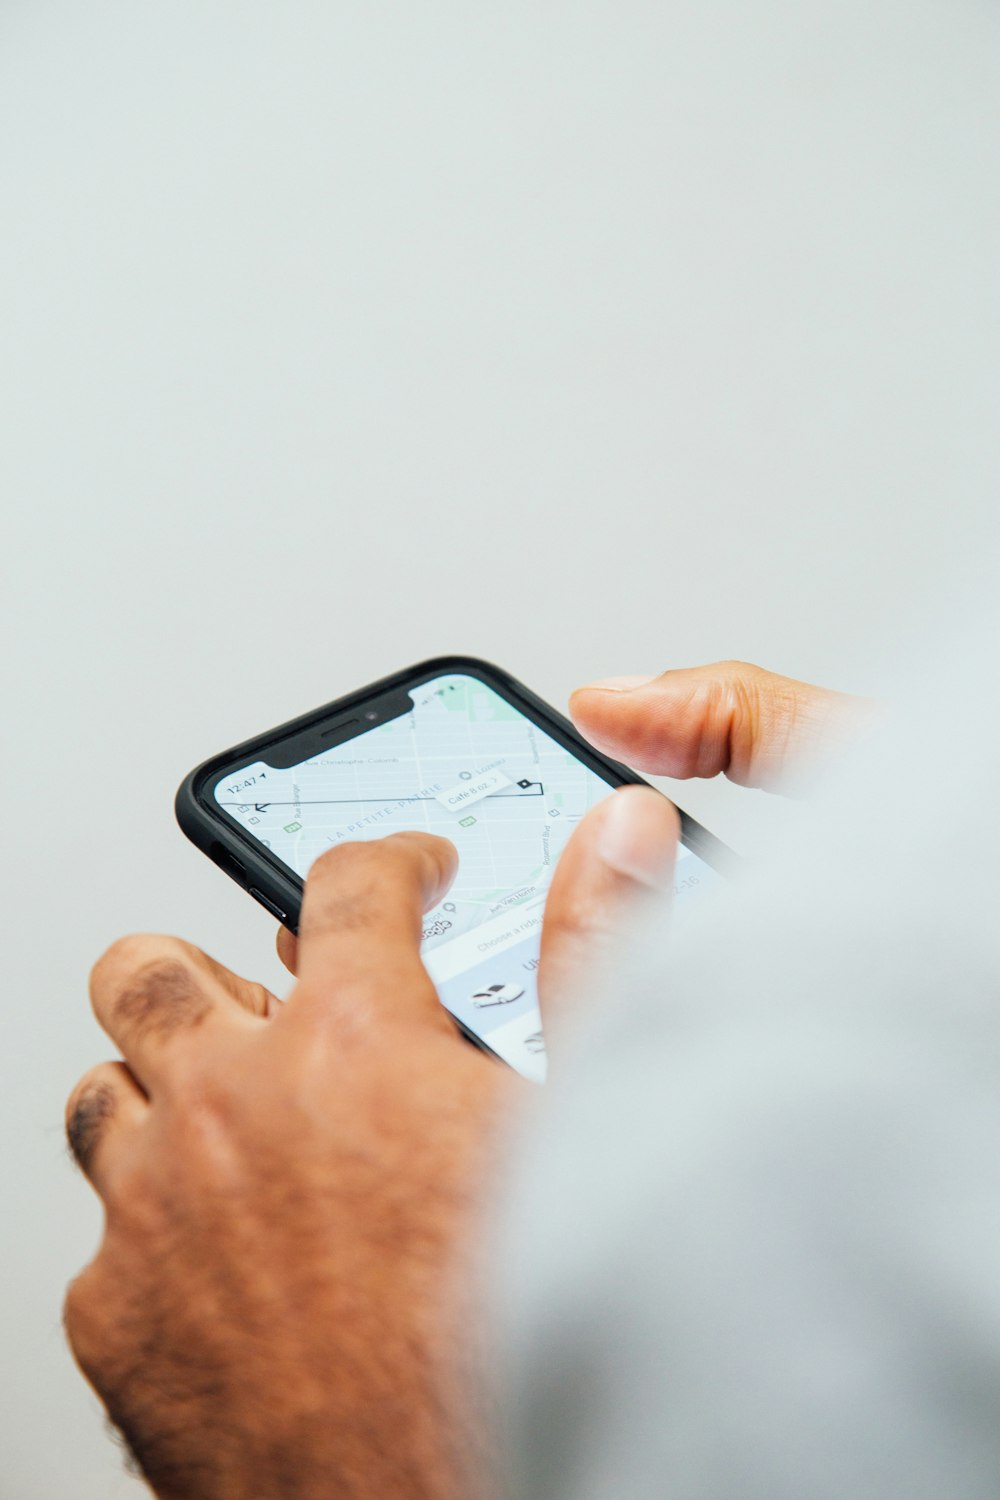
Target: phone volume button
<point>268,904</point>
<point>229,863</point>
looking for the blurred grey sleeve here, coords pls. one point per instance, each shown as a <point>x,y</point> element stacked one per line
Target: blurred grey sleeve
<point>752,1247</point>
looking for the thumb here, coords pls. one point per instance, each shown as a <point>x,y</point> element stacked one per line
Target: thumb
<point>761,729</point>
<point>617,862</point>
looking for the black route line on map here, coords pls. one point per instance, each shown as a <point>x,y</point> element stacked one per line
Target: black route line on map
<point>363,801</point>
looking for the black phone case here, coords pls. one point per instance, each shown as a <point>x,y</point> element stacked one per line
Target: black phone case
<point>270,882</point>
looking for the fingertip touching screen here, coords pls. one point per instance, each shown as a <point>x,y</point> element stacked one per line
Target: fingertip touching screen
<point>467,763</point>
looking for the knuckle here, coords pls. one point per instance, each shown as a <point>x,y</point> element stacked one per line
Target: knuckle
<point>79,1091</point>
<point>130,953</point>
<point>746,690</point>
<point>715,701</point>
<point>161,994</point>
<point>749,690</point>
<point>426,858</point>
<point>733,667</point>
<point>95,1328</point>
<point>88,1109</point>
<point>84,1319</point>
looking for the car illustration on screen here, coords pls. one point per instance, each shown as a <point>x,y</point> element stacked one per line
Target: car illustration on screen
<point>497,994</point>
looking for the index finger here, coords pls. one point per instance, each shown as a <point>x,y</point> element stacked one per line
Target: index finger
<point>360,929</point>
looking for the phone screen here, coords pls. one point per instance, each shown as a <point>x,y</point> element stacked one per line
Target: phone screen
<point>467,763</point>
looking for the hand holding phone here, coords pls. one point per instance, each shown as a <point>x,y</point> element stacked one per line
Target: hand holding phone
<point>454,747</point>
<point>266,1162</point>
<point>318,1170</point>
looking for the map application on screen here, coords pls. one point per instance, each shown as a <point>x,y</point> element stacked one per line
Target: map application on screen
<point>467,764</point>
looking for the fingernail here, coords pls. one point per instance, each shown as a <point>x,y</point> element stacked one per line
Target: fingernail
<point>638,836</point>
<point>617,684</point>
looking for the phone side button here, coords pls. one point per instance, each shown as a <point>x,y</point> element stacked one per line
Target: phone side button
<point>267,904</point>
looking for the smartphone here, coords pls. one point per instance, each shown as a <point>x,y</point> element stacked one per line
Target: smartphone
<point>453,746</point>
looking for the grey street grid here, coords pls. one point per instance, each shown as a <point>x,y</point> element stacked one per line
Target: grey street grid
<point>517,835</point>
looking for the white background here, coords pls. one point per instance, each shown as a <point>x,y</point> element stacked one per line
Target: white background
<point>591,338</point>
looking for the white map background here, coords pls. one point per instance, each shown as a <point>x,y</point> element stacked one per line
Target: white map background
<point>389,778</point>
